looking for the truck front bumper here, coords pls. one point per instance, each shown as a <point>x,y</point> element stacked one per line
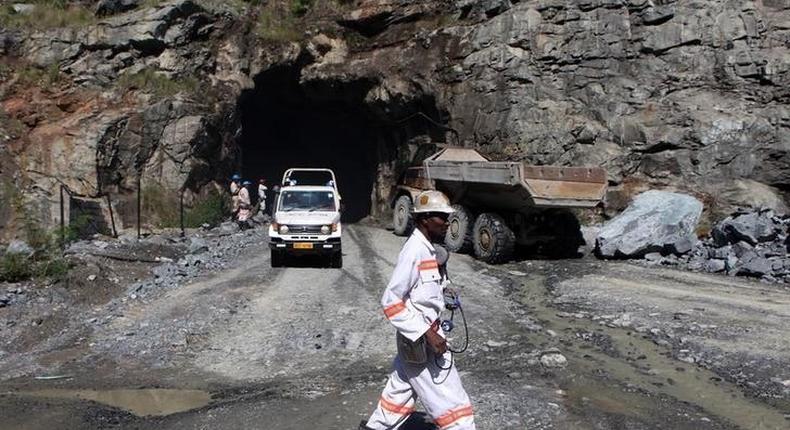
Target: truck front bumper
<point>328,246</point>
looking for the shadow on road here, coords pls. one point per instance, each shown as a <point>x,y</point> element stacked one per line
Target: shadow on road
<point>419,421</point>
<point>307,261</point>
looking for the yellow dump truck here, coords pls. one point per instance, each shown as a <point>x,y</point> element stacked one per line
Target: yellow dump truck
<point>501,204</point>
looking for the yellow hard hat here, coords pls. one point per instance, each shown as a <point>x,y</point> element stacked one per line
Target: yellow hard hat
<point>432,201</point>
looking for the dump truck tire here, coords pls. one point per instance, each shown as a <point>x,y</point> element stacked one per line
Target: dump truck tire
<point>402,223</point>
<point>493,240</point>
<point>278,258</point>
<point>460,232</point>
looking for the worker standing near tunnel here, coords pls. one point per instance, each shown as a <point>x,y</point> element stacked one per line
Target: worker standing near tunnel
<point>413,302</point>
<point>245,205</point>
<point>235,186</point>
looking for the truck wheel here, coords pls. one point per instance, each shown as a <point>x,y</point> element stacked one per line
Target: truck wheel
<point>278,258</point>
<point>336,260</point>
<point>460,232</point>
<point>401,216</point>
<point>493,241</point>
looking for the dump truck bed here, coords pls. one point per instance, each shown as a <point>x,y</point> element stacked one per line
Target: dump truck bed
<point>514,185</point>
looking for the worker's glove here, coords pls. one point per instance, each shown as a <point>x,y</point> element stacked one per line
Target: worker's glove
<point>451,299</point>
<point>437,343</point>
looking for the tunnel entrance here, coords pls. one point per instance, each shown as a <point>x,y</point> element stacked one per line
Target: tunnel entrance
<point>327,124</point>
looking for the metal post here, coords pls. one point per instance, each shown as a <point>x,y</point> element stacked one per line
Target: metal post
<point>62,221</point>
<point>181,203</point>
<point>112,217</point>
<point>139,206</point>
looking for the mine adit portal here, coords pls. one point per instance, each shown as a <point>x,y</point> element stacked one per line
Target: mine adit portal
<point>286,123</point>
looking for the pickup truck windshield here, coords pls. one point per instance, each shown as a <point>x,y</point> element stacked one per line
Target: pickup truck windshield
<point>309,177</point>
<point>307,201</point>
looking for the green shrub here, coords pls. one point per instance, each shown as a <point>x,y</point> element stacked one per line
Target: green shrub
<point>43,264</point>
<point>47,14</point>
<point>211,209</point>
<point>29,76</point>
<point>158,84</point>
<point>273,25</point>
<point>300,7</point>
<point>162,208</point>
<point>47,260</point>
<point>15,268</point>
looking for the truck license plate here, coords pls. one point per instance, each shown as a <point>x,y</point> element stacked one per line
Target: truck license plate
<point>303,246</point>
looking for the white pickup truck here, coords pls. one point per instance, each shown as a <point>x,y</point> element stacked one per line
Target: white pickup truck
<point>306,221</point>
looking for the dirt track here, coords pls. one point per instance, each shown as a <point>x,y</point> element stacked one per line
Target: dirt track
<point>308,348</point>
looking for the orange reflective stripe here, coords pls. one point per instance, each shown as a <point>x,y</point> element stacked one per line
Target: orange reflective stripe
<point>428,265</point>
<point>454,415</point>
<point>395,409</point>
<point>394,309</point>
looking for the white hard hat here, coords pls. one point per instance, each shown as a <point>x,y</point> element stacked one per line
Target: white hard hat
<point>432,201</point>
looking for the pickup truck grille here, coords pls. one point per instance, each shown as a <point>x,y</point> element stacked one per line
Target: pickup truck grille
<point>300,229</point>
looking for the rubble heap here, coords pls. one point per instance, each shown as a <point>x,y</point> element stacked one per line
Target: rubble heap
<point>752,243</point>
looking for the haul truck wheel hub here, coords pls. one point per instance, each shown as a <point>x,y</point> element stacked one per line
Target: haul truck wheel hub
<point>455,227</point>
<point>401,213</point>
<point>485,239</point>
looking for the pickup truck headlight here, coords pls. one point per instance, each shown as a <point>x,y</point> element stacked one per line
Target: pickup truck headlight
<point>283,229</point>
<point>326,229</point>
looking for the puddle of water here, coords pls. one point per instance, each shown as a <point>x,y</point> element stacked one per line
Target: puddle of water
<point>145,402</point>
<point>655,371</point>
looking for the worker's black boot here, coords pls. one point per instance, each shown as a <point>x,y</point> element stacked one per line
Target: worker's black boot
<point>363,425</point>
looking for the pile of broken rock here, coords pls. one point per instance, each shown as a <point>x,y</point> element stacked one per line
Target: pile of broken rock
<point>754,243</point>
<point>659,227</point>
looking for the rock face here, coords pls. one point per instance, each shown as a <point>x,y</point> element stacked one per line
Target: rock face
<point>656,221</point>
<point>692,95</point>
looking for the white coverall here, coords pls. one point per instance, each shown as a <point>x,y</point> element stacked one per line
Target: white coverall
<point>412,302</point>
<point>262,197</point>
<point>234,193</point>
<point>244,204</point>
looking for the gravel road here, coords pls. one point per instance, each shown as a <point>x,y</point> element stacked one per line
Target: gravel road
<point>571,344</point>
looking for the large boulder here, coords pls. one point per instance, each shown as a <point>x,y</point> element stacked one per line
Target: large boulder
<point>656,221</point>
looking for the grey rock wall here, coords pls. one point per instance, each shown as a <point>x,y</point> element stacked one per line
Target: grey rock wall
<point>685,95</point>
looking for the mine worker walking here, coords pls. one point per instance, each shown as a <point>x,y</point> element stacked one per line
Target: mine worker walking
<point>235,186</point>
<point>245,206</point>
<point>262,189</point>
<point>413,302</point>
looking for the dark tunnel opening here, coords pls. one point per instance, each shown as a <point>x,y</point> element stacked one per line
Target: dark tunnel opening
<point>327,124</point>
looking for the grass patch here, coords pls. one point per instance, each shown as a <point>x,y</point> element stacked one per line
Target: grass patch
<point>161,208</point>
<point>47,14</point>
<point>211,209</point>
<point>152,3</point>
<point>278,24</point>
<point>300,7</point>
<point>13,127</point>
<point>35,76</point>
<point>158,84</point>
<point>46,260</point>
